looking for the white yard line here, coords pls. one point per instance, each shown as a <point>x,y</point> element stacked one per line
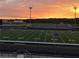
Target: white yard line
<point>45,36</point>
<point>61,38</point>
<point>40,35</point>
<point>53,37</point>
<point>31,35</point>
<point>69,38</point>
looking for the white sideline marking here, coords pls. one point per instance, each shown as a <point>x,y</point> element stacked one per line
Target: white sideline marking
<point>37,42</point>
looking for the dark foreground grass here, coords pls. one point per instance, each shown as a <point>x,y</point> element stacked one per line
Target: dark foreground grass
<point>40,36</point>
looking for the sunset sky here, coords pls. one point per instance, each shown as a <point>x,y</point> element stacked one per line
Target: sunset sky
<point>41,8</point>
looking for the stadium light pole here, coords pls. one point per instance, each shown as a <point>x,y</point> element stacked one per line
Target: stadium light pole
<point>75,11</point>
<point>30,16</point>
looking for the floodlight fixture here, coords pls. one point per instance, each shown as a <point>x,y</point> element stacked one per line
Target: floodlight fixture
<point>75,13</point>
<point>30,15</point>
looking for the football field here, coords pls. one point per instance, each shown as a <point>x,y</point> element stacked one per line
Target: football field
<point>40,36</point>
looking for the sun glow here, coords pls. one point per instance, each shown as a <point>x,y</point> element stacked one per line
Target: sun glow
<point>73,10</point>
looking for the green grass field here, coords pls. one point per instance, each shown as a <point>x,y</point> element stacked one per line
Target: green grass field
<point>40,36</point>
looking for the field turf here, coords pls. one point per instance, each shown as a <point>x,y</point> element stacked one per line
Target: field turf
<point>40,36</point>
